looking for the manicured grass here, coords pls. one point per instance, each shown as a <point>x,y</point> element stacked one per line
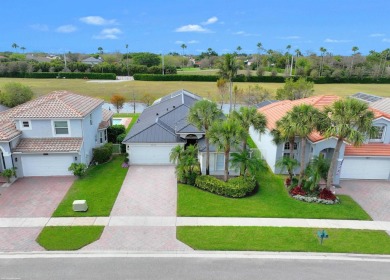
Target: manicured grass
<point>68,238</point>
<point>159,89</point>
<point>100,187</point>
<point>271,201</point>
<point>284,239</point>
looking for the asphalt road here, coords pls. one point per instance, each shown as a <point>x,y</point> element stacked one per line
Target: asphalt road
<point>189,268</point>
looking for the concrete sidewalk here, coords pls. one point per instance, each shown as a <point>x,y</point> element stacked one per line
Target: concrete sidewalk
<point>153,221</point>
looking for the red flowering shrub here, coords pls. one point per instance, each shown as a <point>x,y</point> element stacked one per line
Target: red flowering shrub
<point>327,194</point>
<point>298,191</point>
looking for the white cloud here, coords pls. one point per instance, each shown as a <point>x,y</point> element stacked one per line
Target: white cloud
<point>191,28</point>
<point>387,40</point>
<point>293,37</point>
<point>97,20</point>
<point>179,42</point>
<point>40,27</point>
<point>328,40</point>
<point>210,21</point>
<point>66,28</point>
<point>243,33</point>
<point>108,33</point>
<point>193,42</point>
<point>239,33</point>
<point>377,35</point>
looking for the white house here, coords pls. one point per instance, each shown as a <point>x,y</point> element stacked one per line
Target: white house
<point>44,136</point>
<point>164,125</point>
<point>369,161</point>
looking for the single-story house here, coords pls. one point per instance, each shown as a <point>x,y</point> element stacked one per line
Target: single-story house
<point>42,137</point>
<point>164,125</point>
<point>369,161</point>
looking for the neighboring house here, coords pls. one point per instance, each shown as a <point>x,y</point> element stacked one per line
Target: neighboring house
<point>92,61</point>
<point>369,161</point>
<point>37,58</point>
<point>44,136</point>
<point>164,125</point>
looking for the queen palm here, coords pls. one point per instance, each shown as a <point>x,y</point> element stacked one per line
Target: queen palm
<point>202,115</point>
<point>349,120</point>
<point>303,118</point>
<point>228,69</point>
<point>225,135</point>
<point>247,117</point>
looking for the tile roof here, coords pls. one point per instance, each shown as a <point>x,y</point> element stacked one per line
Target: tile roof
<point>277,110</point>
<point>370,149</point>
<point>382,105</point>
<point>69,144</point>
<point>160,122</point>
<point>8,130</point>
<point>107,115</point>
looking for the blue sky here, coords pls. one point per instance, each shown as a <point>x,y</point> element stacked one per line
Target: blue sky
<point>58,26</point>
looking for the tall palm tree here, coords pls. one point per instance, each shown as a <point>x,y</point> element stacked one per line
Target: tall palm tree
<point>14,46</point>
<point>354,50</point>
<point>259,49</point>
<point>285,132</point>
<point>288,47</point>
<point>348,120</point>
<point>202,115</point>
<point>226,135</point>
<point>247,117</point>
<point>228,69</point>
<point>127,58</point>
<point>23,49</point>
<point>323,51</point>
<point>304,119</point>
<point>100,49</point>
<point>238,50</point>
<point>297,55</point>
<point>183,46</point>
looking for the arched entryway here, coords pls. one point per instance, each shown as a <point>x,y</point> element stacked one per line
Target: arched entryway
<point>327,153</point>
<point>191,139</point>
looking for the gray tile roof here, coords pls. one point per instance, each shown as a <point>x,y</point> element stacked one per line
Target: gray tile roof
<point>366,97</point>
<point>382,105</point>
<point>265,103</point>
<point>161,122</point>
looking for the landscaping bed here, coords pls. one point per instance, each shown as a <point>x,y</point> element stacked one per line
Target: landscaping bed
<point>284,239</point>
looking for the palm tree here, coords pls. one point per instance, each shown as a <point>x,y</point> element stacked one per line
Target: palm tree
<point>202,115</point>
<point>183,46</point>
<point>247,117</point>
<point>288,47</point>
<point>303,118</point>
<point>238,50</point>
<point>285,132</point>
<point>14,46</point>
<point>100,49</point>
<point>228,69</point>
<point>248,163</point>
<point>316,170</point>
<point>127,59</point>
<point>354,50</point>
<point>323,51</point>
<point>176,154</point>
<point>297,55</point>
<point>23,49</point>
<point>289,163</point>
<point>226,135</point>
<point>349,120</point>
<point>259,49</point>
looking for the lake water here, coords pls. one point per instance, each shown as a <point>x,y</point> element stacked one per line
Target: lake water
<point>139,107</point>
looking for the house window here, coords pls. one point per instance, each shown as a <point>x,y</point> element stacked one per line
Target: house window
<point>105,135</point>
<point>61,128</point>
<point>90,119</point>
<point>220,162</point>
<point>101,136</point>
<point>287,146</point>
<point>25,125</point>
<point>379,137</point>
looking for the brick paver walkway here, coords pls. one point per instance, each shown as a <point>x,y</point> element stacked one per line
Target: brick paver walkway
<point>372,195</point>
<point>147,191</point>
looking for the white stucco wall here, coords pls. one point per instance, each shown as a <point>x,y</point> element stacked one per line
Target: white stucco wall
<point>267,147</point>
<point>213,164</point>
<point>90,134</point>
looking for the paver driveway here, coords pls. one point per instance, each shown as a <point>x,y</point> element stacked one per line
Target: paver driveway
<point>29,197</point>
<point>147,191</point>
<point>372,195</point>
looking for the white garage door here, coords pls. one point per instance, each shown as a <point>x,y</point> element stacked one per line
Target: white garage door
<point>365,168</point>
<point>49,165</point>
<point>150,154</point>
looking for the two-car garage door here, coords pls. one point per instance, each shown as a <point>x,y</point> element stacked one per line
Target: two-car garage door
<point>365,168</point>
<point>46,165</point>
<point>150,154</point>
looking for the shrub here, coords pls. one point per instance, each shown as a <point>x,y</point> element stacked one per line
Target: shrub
<point>78,169</point>
<point>327,195</point>
<point>102,154</point>
<point>8,173</point>
<point>298,191</point>
<point>120,137</point>
<point>235,187</point>
<point>114,131</point>
<point>14,94</point>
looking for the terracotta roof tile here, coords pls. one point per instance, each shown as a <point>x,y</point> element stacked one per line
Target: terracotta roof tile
<point>8,130</point>
<point>370,149</point>
<point>107,114</point>
<point>49,145</point>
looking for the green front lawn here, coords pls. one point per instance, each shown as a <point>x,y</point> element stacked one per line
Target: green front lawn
<point>100,187</point>
<point>271,201</point>
<point>68,238</point>
<point>284,239</point>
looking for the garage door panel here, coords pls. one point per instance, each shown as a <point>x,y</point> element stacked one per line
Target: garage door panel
<point>150,154</point>
<point>46,165</point>
<point>365,168</point>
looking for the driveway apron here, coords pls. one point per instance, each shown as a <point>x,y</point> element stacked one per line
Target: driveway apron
<point>372,195</point>
<point>33,197</point>
<point>147,191</point>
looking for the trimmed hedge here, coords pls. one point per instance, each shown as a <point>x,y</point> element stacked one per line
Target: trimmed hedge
<point>66,75</point>
<point>259,79</point>
<point>102,154</point>
<point>235,187</point>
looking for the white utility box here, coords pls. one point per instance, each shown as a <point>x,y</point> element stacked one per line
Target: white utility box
<point>80,205</point>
